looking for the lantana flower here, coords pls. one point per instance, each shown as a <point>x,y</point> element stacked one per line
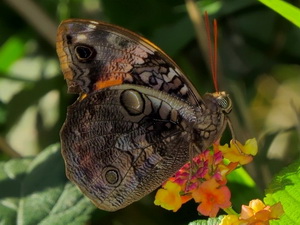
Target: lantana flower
<point>205,179</point>
<point>212,197</point>
<point>238,152</point>
<point>168,197</point>
<point>231,220</point>
<point>256,213</point>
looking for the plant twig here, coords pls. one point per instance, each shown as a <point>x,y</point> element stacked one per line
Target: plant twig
<point>36,17</point>
<point>199,27</point>
<point>6,148</point>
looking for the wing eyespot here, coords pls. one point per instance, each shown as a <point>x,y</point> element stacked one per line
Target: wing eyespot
<point>84,53</point>
<point>112,176</point>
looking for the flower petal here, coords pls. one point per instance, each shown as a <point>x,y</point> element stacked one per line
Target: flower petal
<point>256,205</point>
<point>169,197</point>
<point>212,197</point>
<point>231,220</point>
<point>276,210</point>
<point>250,147</point>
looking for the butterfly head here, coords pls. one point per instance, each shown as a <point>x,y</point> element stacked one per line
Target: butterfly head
<point>213,120</point>
<point>218,102</point>
<point>224,102</point>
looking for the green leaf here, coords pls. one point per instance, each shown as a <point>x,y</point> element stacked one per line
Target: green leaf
<point>241,176</point>
<point>285,188</point>
<point>209,221</point>
<point>36,191</point>
<point>11,175</point>
<point>173,44</point>
<point>239,181</point>
<point>10,51</point>
<point>285,9</point>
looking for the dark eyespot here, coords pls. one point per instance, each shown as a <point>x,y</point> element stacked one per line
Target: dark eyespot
<point>85,53</point>
<point>133,102</point>
<point>112,176</point>
<point>69,39</point>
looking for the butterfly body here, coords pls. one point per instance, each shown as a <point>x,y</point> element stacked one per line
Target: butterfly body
<point>138,118</point>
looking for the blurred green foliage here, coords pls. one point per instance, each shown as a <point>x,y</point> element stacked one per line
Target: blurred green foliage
<point>259,67</point>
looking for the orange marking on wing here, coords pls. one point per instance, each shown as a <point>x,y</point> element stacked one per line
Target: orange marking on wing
<point>107,83</point>
<point>82,96</point>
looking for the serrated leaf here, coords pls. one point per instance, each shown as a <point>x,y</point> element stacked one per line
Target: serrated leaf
<point>11,176</point>
<point>209,221</point>
<point>285,188</point>
<point>36,191</point>
<point>285,9</point>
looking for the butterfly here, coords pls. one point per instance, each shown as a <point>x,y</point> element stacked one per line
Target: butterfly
<point>138,118</point>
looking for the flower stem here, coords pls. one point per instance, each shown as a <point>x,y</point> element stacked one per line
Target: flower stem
<point>230,211</point>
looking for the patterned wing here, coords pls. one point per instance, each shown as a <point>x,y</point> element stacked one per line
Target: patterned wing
<point>94,55</point>
<point>120,143</point>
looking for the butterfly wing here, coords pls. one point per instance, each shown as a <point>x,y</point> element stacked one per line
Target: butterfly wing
<point>121,143</point>
<point>95,55</point>
<point>137,115</point>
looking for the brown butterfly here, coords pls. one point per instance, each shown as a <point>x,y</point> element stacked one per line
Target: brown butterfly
<point>138,118</point>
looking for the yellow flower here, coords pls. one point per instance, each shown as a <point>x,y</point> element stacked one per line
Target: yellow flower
<point>250,147</point>
<point>238,152</point>
<point>169,197</point>
<point>231,220</point>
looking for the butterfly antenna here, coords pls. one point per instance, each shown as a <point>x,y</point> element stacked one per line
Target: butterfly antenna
<point>213,55</point>
<point>215,62</point>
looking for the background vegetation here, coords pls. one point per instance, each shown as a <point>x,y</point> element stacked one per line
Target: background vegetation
<point>259,67</point>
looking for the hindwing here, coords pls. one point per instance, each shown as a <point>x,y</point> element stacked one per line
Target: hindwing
<point>119,144</point>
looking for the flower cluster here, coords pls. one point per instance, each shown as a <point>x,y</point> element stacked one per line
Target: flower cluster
<point>257,213</point>
<point>204,179</point>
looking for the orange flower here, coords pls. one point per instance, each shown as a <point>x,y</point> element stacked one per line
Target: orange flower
<point>169,197</point>
<point>212,197</point>
<point>238,152</point>
<point>259,213</point>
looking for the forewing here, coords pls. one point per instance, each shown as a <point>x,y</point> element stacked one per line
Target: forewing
<point>116,56</point>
